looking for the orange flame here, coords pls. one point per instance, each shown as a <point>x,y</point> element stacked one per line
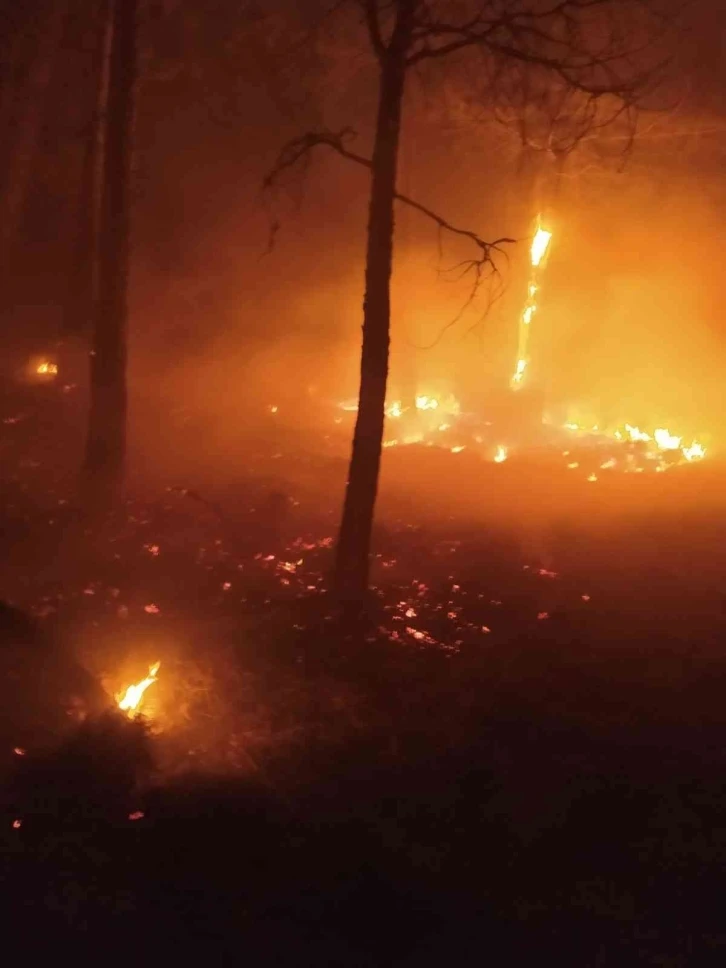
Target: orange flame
<point>540,244</point>
<point>501,454</point>
<point>46,367</point>
<point>130,700</point>
<point>537,253</point>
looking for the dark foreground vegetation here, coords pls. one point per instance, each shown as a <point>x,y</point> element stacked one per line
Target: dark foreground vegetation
<point>508,765</point>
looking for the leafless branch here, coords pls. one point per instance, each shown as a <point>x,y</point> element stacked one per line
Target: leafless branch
<point>298,150</point>
<point>370,8</point>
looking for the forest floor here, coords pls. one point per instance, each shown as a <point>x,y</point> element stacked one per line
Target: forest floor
<point>522,757</point>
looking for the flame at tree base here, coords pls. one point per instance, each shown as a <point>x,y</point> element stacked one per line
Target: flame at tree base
<point>129,701</point>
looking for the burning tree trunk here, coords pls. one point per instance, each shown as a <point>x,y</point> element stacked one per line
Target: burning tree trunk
<point>354,540</point>
<point>106,440</point>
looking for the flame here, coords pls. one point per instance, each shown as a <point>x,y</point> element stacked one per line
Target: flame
<point>695,452</point>
<point>660,442</point>
<point>635,433</point>
<point>540,244</point>
<point>394,409</point>
<point>130,700</point>
<point>501,454</point>
<point>47,367</point>
<point>430,416</point>
<point>538,250</point>
<point>519,371</point>
<point>666,440</point>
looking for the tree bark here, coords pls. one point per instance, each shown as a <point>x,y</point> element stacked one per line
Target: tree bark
<point>106,439</point>
<point>83,275</point>
<point>21,154</point>
<point>352,561</point>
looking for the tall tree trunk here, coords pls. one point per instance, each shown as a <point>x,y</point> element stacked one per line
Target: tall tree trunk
<point>352,562</point>
<point>28,130</point>
<point>106,440</point>
<point>83,275</point>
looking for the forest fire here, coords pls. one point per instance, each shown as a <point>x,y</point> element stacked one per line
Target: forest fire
<point>432,421</point>
<point>537,254</point>
<point>129,700</point>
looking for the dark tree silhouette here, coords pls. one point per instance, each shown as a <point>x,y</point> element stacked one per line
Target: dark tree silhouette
<point>103,468</point>
<point>23,105</point>
<point>598,48</point>
<point>83,277</point>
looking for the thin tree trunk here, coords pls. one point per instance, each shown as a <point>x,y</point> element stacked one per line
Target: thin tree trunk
<point>83,275</point>
<point>28,131</point>
<point>352,563</point>
<point>106,440</point>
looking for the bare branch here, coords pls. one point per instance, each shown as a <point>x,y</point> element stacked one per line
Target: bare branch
<point>370,8</point>
<point>595,57</point>
<point>298,150</point>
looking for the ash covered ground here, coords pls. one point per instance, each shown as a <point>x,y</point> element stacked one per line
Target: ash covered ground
<point>520,757</point>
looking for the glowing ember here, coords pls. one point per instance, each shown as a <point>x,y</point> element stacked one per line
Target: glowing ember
<point>130,700</point>
<point>19,751</point>
<point>17,824</point>
<point>426,403</point>
<point>501,454</point>
<point>47,368</point>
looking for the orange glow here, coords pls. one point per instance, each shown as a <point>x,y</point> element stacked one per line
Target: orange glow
<point>47,368</point>
<point>130,699</point>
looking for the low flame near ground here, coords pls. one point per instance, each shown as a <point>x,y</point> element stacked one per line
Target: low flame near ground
<point>431,421</point>
<point>47,368</point>
<point>129,700</point>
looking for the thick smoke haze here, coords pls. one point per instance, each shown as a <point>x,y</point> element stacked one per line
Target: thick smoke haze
<point>230,317</point>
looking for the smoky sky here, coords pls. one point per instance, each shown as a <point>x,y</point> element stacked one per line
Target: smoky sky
<point>630,321</point>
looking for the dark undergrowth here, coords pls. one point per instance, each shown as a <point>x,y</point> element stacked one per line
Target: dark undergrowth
<point>516,762</point>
